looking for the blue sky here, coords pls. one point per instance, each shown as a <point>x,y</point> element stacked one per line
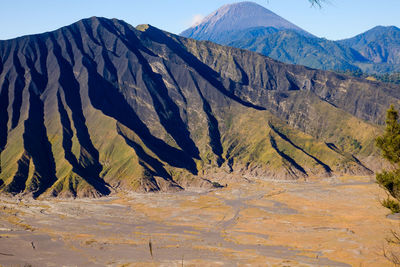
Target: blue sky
<point>337,19</point>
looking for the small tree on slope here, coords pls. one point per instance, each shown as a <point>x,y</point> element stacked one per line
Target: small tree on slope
<point>389,143</point>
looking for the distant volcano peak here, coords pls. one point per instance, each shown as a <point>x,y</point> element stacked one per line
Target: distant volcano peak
<point>238,16</point>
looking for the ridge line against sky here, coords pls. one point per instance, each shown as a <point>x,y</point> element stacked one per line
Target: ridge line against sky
<point>338,19</point>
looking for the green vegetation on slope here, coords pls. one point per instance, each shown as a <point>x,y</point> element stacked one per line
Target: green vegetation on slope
<point>123,109</point>
<point>389,143</point>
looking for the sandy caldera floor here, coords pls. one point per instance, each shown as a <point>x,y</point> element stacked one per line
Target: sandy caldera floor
<point>331,222</point>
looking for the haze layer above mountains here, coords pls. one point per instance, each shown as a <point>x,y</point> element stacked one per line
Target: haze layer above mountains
<point>100,106</point>
<point>250,26</point>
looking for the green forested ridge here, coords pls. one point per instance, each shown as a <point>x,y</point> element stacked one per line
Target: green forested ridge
<point>393,77</point>
<point>376,51</point>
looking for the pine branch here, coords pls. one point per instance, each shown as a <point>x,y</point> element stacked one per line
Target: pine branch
<point>316,2</point>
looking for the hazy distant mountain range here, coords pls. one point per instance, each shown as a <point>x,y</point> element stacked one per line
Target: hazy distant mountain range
<point>100,106</point>
<point>380,46</point>
<point>238,17</point>
<point>250,26</point>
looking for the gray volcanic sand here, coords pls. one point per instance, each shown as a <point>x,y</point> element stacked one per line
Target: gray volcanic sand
<point>318,223</point>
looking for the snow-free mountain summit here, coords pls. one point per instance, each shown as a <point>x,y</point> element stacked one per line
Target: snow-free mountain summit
<point>237,17</point>
<point>250,26</point>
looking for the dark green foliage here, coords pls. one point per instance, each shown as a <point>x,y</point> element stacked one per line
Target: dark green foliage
<point>391,204</point>
<point>354,73</point>
<point>349,142</point>
<point>356,144</point>
<point>389,77</point>
<point>389,143</point>
<point>390,181</point>
<point>217,185</point>
<point>393,77</point>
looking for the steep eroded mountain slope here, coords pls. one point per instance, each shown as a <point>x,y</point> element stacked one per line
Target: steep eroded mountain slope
<point>100,106</point>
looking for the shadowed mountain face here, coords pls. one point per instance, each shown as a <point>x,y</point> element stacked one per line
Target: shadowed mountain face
<point>100,106</point>
<point>289,46</point>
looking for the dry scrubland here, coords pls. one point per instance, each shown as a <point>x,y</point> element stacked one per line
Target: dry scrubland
<point>330,222</point>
